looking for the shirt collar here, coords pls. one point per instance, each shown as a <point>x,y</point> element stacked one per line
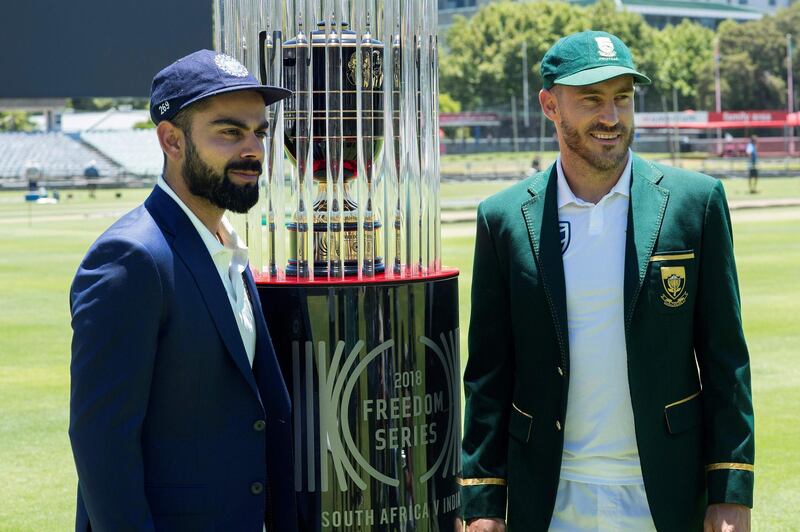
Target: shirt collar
<point>566,196</point>
<point>230,240</point>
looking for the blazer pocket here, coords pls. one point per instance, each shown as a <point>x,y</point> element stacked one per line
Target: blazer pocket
<point>176,500</point>
<point>520,424</point>
<point>684,414</point>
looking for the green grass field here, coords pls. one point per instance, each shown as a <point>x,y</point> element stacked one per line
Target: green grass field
<point>41,246</point>
<point>517,163</point>
<point>736,189</point>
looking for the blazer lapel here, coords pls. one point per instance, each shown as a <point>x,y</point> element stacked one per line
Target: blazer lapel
<point>541,218</point>
<point>265,365</point>
<point>645,214</point>
<point>190,247</point>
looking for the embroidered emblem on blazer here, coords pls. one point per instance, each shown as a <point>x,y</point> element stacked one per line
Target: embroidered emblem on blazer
<point>673,279</point>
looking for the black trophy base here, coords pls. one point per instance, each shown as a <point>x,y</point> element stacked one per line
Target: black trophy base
<point>373,371</point>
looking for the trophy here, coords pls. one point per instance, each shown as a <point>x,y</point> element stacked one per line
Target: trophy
<point>345,249</point>
<point>346,94</point>
<point>357,140</point>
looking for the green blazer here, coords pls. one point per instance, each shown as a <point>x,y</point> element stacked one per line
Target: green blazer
<point>688,365</point>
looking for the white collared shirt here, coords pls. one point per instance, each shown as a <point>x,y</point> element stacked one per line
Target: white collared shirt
<point>599,437</point>
<point>230,259</point>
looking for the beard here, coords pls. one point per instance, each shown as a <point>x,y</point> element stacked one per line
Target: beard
<point>205,182</point>
<point>605,159</point>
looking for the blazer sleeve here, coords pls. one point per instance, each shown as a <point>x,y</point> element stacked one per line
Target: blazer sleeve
<point>724,363</point>
<point>487,383</point>
<point>116,309</point>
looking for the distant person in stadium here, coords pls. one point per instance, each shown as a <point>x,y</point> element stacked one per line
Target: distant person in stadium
<point>607,383</point>
<point>179,415</point>
<point>752,166</point>
<point>536,166</point>
<point>91,170</point>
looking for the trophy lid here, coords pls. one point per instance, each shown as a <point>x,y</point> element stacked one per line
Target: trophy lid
<point>344,37</point>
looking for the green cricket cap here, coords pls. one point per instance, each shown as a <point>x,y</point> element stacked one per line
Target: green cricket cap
<point>588,57</point>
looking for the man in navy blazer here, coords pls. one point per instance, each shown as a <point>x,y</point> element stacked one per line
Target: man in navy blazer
<point>179,415</point>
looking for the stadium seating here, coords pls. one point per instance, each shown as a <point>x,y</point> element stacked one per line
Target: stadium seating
<point>137,151</point>
<point>52,155</point>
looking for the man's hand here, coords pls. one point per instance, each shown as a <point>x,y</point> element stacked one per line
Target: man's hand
<point>727,518</point>
<point>483,524</point>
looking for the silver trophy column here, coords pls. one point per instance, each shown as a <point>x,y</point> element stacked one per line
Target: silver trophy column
<point>345,245</point>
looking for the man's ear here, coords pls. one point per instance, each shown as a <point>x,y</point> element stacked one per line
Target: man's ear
<point>171,139</point>
<point>549,103</point>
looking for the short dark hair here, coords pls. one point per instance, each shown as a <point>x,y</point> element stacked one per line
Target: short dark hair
<point>183,121</point>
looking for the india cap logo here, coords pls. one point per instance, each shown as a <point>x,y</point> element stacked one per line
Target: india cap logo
<point>230,66</point>
<point>605,48</point>
<point>673,279</point>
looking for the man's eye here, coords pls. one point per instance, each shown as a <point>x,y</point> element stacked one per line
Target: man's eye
<point>261,134</point>
<point>231,132</point>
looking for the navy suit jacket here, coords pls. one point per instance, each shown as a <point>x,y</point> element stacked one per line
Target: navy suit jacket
<point>171,429</point>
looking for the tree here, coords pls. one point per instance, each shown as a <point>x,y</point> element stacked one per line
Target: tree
<point>104,104</point>
<point>15,121</point>
<point>482,67</point>
<point>787,20</point>
<point>752,59</point>
<point>90,104</point>
<point>447,104</point>
<point>686,63</point>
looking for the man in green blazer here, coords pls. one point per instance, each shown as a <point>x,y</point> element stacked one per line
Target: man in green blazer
<point>608,380</point>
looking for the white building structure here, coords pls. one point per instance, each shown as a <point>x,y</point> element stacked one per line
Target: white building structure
<point>657,13</point>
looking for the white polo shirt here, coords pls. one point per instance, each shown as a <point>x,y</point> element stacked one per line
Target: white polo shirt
<point>230,258</point>
<point>599,437</point>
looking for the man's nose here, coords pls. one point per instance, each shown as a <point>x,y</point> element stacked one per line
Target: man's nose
<point>253,148</point>
<point>609,115</point>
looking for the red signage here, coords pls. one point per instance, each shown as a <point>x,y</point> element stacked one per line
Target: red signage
<point>711,120</point>
<point>747,116</point>
<point>468,119</point>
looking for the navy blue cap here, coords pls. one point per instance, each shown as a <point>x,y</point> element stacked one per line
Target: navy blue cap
<point>200,75</point>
